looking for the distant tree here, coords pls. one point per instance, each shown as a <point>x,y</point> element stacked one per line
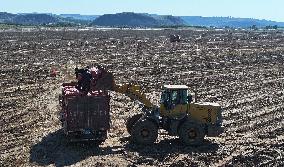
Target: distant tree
<point>254,27</point>
<point>275,27</point>
<point>267,27</point>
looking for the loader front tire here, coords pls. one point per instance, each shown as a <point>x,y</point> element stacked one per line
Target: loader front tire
<point>191,133</point>
<point>131,121</point>
<point>144,132</point>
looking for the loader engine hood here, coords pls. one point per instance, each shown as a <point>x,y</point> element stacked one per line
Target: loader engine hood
<point>209,113</point>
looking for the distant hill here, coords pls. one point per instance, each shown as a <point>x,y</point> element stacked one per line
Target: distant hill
<point>228,22</point>
<point>28,19</point>
<point>6,16</point>
<point>35,19</point>
<point>80,17</point>
<point>129,19</point>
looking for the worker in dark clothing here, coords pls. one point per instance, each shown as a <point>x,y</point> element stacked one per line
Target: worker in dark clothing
<point>79,71</point>
<point>84,80</point>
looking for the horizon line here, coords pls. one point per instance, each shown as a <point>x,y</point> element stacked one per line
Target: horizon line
<point>236,17</point>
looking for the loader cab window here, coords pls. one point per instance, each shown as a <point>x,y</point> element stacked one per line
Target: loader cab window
<point>170,98</point>
<point>179,96</point>
<point>183,96</point>
<point>165,97</point>
<point>175,97</point>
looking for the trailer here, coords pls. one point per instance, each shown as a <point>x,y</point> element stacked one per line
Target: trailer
<point>84,117</point>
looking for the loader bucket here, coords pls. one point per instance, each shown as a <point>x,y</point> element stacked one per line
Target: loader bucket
<point>104,82</point>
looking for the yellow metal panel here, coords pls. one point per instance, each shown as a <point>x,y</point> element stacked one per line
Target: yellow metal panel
<point>178,111</point>
<point>134,92</point>
<point>204,112</point>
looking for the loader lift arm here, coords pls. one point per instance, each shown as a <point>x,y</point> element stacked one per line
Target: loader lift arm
<point>134,92</point>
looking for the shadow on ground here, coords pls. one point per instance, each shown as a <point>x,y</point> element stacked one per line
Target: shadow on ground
<point>55,149</point>
<point>163,149</point>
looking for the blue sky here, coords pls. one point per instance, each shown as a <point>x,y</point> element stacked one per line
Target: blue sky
<point>262,9</point>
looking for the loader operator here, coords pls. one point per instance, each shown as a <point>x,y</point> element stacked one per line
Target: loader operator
<point>84,80</point>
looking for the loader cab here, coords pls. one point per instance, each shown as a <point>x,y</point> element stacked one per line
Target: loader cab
<point>174,95</point>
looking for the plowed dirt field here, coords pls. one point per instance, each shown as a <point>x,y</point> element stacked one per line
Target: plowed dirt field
<point>241,70</point>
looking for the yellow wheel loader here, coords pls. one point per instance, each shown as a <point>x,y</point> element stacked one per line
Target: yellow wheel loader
<point>177,114</point>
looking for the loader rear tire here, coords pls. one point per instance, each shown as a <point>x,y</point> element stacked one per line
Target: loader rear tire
<point>191,133</point>
<point>131,121</point>
<point>144,132</point>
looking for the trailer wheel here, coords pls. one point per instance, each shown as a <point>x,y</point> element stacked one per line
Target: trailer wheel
<point>131,121</point>
<point>191,133</point>
<point>144,132</point>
